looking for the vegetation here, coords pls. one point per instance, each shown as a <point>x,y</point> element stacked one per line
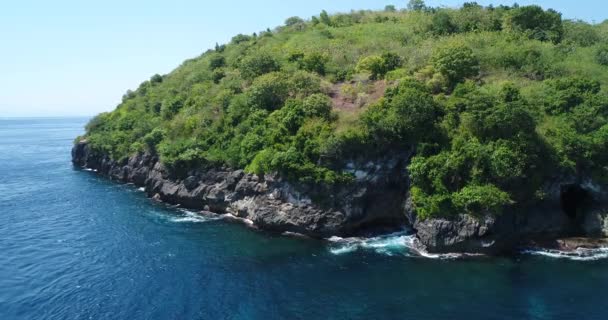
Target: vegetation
<point>496,102</point>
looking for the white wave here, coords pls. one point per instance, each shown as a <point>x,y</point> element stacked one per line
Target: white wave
<point>142,189</point>
<point>580,254</point>
<point>90,170</point>
<point>194,217</point>
<point>229,216</point>
<point>294,234</point>
<point>399,243</point>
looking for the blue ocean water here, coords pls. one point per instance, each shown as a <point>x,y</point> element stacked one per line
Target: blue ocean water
<point>76,246</point>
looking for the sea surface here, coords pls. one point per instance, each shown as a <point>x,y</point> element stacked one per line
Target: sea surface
<point>77,246</point>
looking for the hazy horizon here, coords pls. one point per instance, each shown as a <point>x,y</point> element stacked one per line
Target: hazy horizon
<point>71,59</point>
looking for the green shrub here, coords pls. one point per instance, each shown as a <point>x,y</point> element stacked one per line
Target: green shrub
<point>456,62</point>
<point>257,65</point>
<point>601,55</point>
<point>478,200</point>
<point>379,66</point>
<point>314,62</point>
<point>268,92</point>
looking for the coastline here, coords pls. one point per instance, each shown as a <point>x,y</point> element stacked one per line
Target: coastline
<point>271,204</point>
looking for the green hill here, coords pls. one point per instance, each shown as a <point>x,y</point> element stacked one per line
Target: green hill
<point>496,101</point>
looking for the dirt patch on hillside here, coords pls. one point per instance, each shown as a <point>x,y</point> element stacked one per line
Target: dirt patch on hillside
<point>351,96</point>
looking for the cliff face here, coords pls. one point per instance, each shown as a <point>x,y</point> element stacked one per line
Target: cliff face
<point>377,199</point>
<point>374,200</point>
<point>563,214</point>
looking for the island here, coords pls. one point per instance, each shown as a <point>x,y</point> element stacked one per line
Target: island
<point>480,129</point>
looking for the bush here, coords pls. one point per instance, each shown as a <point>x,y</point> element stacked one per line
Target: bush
<point>456,62</point>
<point>601,55</point>
<point>565,94</point>
<point>379,66</point>
<point>407,116</point>
<point>479,200</point>
<point>314,62</point>
<point>268,92</point>
<point>153,138</point>
<point>171,106</point>
<point>258,64</point>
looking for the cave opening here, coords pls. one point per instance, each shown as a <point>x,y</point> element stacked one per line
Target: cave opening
<point>573,197</point>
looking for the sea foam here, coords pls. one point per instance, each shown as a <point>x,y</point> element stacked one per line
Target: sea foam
<point>399,243</point>
<point>193,217</point>
<point>580,254</point>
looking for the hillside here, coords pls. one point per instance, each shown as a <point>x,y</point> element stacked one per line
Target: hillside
<point>495,102</point>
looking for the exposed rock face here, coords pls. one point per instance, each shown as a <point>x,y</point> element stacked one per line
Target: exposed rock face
<point>375,199</point>
<point>565,213</point>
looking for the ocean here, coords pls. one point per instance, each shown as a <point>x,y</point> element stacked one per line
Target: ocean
<point>74,245</point>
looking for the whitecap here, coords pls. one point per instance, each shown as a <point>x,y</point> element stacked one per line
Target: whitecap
<point>399,243</point>
<point>193,217</point>
<point>142,189</point>
<point>579,254</point>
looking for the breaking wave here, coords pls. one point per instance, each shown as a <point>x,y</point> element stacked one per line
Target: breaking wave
<point>399,243</point>
<point>580,254</point>
<point>187,216</point>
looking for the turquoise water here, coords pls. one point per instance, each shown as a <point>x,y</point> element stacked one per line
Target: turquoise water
<point>76,246</point>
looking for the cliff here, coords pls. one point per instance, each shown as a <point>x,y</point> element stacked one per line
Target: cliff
<point>378,200</point>
<point>373,201</point>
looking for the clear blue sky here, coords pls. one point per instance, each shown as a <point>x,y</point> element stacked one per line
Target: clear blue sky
<point>75,57</point>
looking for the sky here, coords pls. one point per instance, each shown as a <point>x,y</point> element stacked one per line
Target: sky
<point>77,58</point>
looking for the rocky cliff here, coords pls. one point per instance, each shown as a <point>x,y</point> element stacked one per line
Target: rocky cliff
<point>377,200</point>
<point>571,209</point>
<point>374,201</point>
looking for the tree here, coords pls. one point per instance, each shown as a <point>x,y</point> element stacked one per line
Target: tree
<point>155,79</point>
<point>390,8</point>
<point>293,21</point>
<point>216,61</point>
<point>442,24</point>
<point>325,18</point>
<point>416,5</point>
<point>456,62</point>
<point>239,38</point>
<point>536,23</point>
<point>581,33</point>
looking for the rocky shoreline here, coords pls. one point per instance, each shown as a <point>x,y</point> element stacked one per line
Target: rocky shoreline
<point>377,200</point>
